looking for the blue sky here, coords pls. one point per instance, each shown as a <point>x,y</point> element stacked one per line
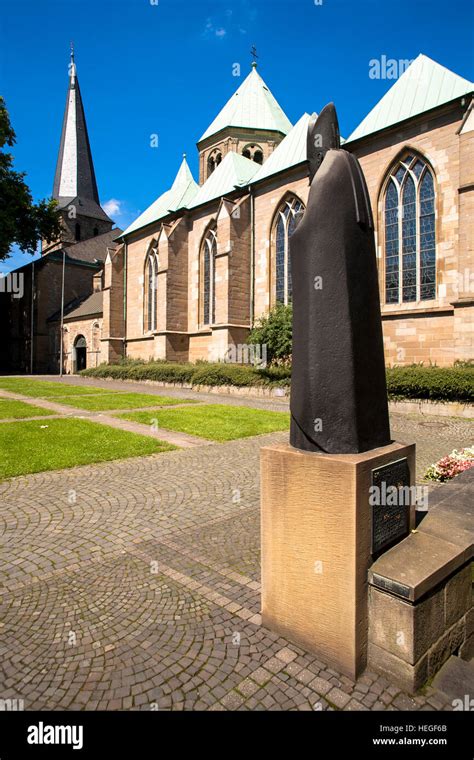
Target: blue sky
<point>165,67</point>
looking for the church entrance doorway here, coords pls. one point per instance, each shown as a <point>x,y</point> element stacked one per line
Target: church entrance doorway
<point>79,354</point>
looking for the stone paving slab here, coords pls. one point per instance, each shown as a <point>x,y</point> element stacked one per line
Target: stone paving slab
<point>135,585</point>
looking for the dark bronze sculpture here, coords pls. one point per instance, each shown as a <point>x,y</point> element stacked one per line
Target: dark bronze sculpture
<point>338,387</point>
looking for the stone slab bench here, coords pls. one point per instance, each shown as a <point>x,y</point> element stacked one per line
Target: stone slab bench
<point>420,591</point>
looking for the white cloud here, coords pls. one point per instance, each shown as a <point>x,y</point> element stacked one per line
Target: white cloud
<point>113,207</point>
<point>211,30</point>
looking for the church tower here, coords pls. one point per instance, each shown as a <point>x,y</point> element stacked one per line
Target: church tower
<point>75,186</point>
<point>252,123</point>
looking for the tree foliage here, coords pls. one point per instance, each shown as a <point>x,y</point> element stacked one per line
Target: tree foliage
<point>275,331</point>
<point>21,221</point>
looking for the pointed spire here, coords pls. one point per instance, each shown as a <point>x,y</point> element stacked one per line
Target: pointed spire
<point>75,176</point>
<point>252,106</point>
<point>184,175</point>
<point>72,66</point>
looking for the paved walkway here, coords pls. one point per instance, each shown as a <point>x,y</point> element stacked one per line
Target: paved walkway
<point>135,585</point>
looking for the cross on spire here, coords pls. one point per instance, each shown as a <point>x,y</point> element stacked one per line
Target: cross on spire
<point>254,55</point>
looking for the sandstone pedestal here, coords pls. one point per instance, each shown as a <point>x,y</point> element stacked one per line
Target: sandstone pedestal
<point>316,547</point>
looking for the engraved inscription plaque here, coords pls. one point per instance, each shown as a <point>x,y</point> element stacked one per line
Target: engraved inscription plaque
<point>390,500</point>
<point>399,589</point>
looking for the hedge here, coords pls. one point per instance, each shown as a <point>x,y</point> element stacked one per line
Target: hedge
<point>417,382</point>
<point>434,383</point>
<point>202,373</point>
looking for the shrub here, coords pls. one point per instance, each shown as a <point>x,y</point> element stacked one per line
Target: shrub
<point>225,374</point>
<point>436,383</point>
<point>201,373</point>
<point>417,382</point>
<point>274,330</point>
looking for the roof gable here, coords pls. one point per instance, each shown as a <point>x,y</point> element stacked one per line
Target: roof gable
<point>233,172</point>
<point>291,151</point>
<point>424,85</point>
<point>181,192</point>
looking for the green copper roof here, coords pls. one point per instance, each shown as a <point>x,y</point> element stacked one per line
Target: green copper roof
<point>425,84</point>
<point>233,172</point>
<point>252,106</point>
<point>291,151</point>
<point>183,189</point>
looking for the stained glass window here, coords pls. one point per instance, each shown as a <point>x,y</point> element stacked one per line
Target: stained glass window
<point>208,290</point>
<point>427,238</point>
<point>151,283</point>
<point>286,221</point>
<point>410,242</point>
<point>392,270</point>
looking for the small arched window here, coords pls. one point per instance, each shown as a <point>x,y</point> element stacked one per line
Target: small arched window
<point>95,231</point>
<point>207,274</point>
<point>215,157</point>
<point>151,291</point>
<point>254,153</point>
<point>410,237</point>
<point>77,232</point>
<point>286,219</point>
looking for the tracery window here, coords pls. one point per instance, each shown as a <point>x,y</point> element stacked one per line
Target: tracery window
<point>207,270</point>
<point>286,219</point>
<point>410,236</point>
<point>151,291</point>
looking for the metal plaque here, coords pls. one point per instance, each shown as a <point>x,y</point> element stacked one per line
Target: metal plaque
<point>394,587</point>
<point>390,501</point>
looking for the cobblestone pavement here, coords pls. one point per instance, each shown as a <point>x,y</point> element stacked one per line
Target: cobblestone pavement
<point>135,585</point>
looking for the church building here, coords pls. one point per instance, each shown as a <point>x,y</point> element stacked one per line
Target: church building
<point>209,257</point>
<point>70,270</point>
<point>192,274</point>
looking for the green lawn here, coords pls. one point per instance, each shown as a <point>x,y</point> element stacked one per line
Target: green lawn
<point>120,401</point>
<point>85,397</point>
<point>55,444</point>
<point>44,388</point>
<point>12,409</point>
<point>216,422</point>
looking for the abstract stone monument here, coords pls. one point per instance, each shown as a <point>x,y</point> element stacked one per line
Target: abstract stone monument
<point>338,391</point>
<point>318,524</point>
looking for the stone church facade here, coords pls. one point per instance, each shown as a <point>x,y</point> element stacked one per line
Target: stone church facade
<point>188,278</point>
<point>206,260</point>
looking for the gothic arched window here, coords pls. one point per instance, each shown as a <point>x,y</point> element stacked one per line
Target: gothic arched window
<point>286,219</point>
<point>410,236</point>
<point>207,270</point>
<point>151,291</point>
